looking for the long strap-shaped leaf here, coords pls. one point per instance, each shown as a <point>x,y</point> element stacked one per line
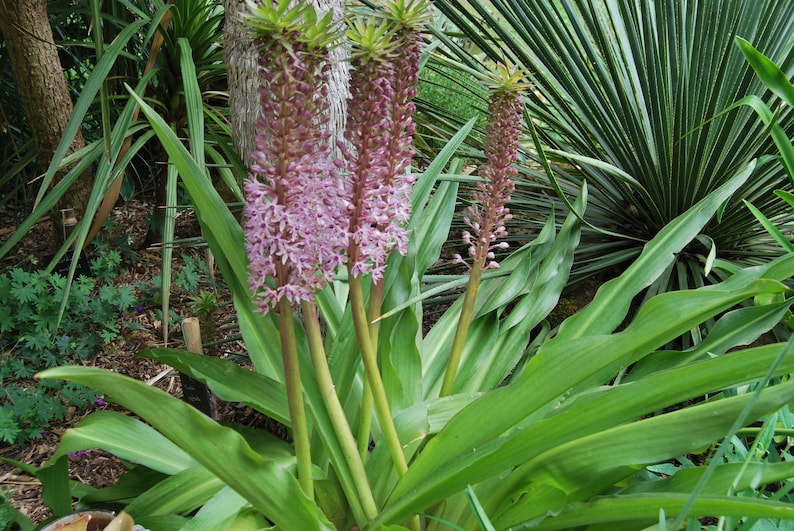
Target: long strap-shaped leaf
<point>612,301</point>
<point>267,484</point>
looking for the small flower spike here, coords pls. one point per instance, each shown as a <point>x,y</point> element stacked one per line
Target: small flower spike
<point>488,213</point>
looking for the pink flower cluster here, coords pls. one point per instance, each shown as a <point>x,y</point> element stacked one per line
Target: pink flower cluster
<point>488,213</point>
<point>294,206</point>
<point>380,131</point>
<point>306,212</point>
<point>370,187</point>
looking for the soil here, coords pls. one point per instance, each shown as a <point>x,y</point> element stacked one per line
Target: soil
<point>94,467</point>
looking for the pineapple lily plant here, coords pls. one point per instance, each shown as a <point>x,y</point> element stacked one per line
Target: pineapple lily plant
<point>489,418</point>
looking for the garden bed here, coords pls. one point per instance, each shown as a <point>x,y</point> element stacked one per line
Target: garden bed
<point>141,331</point>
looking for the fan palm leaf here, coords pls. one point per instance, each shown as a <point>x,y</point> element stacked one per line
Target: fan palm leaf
<point>639,99</point>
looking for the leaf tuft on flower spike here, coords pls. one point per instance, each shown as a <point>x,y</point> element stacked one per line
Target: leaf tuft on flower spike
<point>408,15</point>
<point>289,22</point>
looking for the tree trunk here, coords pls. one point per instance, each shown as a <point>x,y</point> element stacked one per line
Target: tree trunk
<point>241,62</point>
<point>43,90</point>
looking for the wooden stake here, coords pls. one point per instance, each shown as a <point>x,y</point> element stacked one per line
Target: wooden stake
<point>194,392</point>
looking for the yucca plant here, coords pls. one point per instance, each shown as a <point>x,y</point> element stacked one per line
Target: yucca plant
<point>637,99</point>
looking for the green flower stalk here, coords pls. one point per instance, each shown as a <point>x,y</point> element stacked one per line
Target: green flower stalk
<point>294,209</point>
<point>488,213</point>
<point>336,412</point>
<point>377,208</point>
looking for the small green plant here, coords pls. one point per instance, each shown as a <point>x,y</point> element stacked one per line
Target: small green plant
<point>8,513</point>
<point>32,337</point>
<point>189,275</point>
<point>112,246</point>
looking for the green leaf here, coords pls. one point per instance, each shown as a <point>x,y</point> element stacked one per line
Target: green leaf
<point>55,486</point>
<point>644,510</point>
<point>219,512</point>
<point>736,476</point>
<point>612,301</point>
<point>738,327</point>
<point>548,376</point>
<point>228,381</point>
<point>479,512</point>
<point>772,76</point>
<point>771,228</point>
<point>125,437</point>
<point>94,83</point>
<point>181,493</point>
<point>221,450</point>
<point>581,463</point>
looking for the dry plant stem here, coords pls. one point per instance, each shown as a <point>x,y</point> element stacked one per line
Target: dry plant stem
<point>365,423</point>
<point>369,358</point>
<point>292,381</point>
<point>462,330</point>
<point>335,411</point>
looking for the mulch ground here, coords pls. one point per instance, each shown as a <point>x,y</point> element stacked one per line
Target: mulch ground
<point>97,468</point>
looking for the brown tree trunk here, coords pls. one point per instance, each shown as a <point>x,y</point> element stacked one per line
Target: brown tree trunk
<point>43,90</point>
<point>241,62</point>
<point>241,65</point>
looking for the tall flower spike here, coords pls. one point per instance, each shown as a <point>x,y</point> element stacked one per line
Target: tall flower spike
<point>377,207</point>
<point>408,18</point>
<point>488,213</point>
<point>296,223</point>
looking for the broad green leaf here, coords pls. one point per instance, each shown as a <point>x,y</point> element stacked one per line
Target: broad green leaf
<point>432,229</point>
<point>592,413</point>
<point>624,447</point>
<point>181,493</point>
<point>644,510</point>
<point>616,458</point>
<point>131,484</point>
<point>548,376</point>
<point>219,449</point>
<point>738,476</point>
<point>218,513</point>
<point>738,327</point>
<point>554,271</point>
<point>127,438</point>
<point>772,76</point>
<point>228,381</point>
<point>55,490</point>
<point>613,299</point>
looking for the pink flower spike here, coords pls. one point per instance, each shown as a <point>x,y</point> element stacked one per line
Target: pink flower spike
<point>488,213</point>
<point>384,73</point>
<point>296,227</point>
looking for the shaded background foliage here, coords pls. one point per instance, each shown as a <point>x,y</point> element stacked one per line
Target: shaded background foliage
<point>645,90</point>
